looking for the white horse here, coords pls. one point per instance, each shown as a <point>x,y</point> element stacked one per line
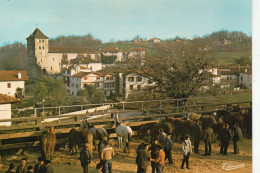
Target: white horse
<point>124,134</point>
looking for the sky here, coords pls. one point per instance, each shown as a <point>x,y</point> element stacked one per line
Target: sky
<point>109,20</point>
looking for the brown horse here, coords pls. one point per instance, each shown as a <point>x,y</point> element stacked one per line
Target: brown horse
<point>77,138</point>
<point>48,143</point>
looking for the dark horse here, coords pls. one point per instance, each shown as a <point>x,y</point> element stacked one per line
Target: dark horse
<point>98,133</point>
<point>77,138</point>
<point>48,143</point>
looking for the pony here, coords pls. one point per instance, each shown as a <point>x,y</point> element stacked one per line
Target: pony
<point>48,143</point>
<point>124,134</point>
<point>98,133</point>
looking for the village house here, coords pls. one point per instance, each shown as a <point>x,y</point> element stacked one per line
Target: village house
<point>48,58</point>
<point>111,51</point>
<point>245,78</point>
<point>80,81</point>
<point>5,108</point>
<point>136,81</point>
<point>154,40</point>
<point>11,80</point>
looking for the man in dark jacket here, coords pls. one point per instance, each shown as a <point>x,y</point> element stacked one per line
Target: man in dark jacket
<point>39,167</point>
<point>22,167</point>
<point>11,168</point>
<point>225,136</point>
<point>207,140</point>
<point>48,167</point>
<point>197,136</point>
<point>154,154</point>
<point>85,158</point>
<point>142,158</point>
<point>168,148</point>
<point>237,136</point>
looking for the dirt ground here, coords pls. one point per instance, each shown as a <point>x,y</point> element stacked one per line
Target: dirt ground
<point>64,162</point>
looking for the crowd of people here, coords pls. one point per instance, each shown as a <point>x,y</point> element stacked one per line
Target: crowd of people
<point>156,153</point>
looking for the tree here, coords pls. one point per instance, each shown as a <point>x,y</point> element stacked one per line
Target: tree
<point>19,93</point>
<point>179,69</point>
<point>53,91</point>
<point>244,61</point>
<point>92,94</point>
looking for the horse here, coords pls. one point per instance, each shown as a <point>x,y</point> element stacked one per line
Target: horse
<point>124,134</point>
<point>98,133</point>
<point>48,143</point>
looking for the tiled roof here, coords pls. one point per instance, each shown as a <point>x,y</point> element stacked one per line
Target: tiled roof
<point>110,49</point>
<point>82,74</point>
<point>8,99</point>
<point>37,34</point>
<point>229,70</point>
<point>71,50</point>
<point>13,75</point>
<point>83,67</point>
<point>137,49</point>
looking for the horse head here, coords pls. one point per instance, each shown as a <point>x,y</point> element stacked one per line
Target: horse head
<point>116,121</point>
<point>84,124</point>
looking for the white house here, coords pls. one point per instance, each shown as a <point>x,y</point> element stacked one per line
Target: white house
<point>137,52</point>
<point>136,81</point>
<point>111,51</point>
<point>11,80</point>
<point>100,81</point>
<point>154,40</point>
<point>5,108</point>
<point>245,78</point>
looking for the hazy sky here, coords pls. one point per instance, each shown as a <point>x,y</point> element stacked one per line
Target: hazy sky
<point>122,19</point>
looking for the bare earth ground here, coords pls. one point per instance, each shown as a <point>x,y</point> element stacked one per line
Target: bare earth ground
<point>63,162</point>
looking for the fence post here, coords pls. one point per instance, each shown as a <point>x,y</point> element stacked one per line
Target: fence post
<point>103,107</point>
<point>35,112</point>
<point>142,105</point>
<point>123,106</point>
<point>59,110</point>
<point>160,107</point>
<point>81,107</point>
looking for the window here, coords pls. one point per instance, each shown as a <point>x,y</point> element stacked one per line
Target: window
<point>139,79</point>
<point>150,81</point>
<point>8,85</point>
<point>230,78</point>
<point>138,87</point>
<point>131,87</point>
<point>40,47</point>
<point>107,78</point>
<point>112,85</point>
<point>111,78</point>
<point>241,78</point>
<point>131,79</point>
<point>53,59</point>
<point>43,41</point>
<point>40,40</point>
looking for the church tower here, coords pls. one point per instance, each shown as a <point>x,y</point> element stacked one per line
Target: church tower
<point>37,48</point>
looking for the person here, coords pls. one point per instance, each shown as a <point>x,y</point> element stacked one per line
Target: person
<point>207,140</point>
<point>154,154</point>
<point>197,136</point>
<point>160,160</point>
<point>22,167</point>
<point>101,146</point>
<point>11,168</point>
<point>162,137</point>
<point>142,158</point>
<point>48,167</point>
<point>237,136</point>
<point>29,169</point>
<point>98,169</point>
<point>106,157</point>
<point>187,150</point>
<point>39,167</point>
<point>168,148</point>
<point>85,157</point>
<point>224,138</point>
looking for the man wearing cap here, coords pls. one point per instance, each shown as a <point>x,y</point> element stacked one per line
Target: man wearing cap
<point>101,146</point>
<point>39,167</point>
<point>85,158</point>
<point>22,167</point>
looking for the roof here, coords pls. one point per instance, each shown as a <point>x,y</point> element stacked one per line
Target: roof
<point>71,50</point>
<point>110,49</point>
<point>152,39</point>
<point>13,75</point>
<point>233,70</point>
<point>82,74</point>
<point>83,60</point>
<point>37,33</point>
<point>137,49</point>
<point>114,69</point>
<point>8,99</point>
